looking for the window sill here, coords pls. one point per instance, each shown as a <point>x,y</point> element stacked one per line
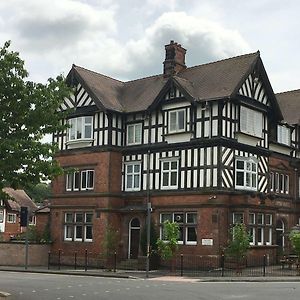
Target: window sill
<point>177,133</point>
<point>79,143</point>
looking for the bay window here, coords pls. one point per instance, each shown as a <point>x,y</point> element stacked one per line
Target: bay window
<point>177,121</point>
<point>283,135</point>
<point>246,173</point>
<point>251,121</point>
<point>80,128</point>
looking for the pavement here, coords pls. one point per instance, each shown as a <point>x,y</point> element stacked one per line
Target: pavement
<point>152,275</point>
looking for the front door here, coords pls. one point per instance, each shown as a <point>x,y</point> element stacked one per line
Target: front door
<point>134,238</point>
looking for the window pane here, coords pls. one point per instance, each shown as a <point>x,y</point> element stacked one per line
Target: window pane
<point>254,183</point>
<point>251,218</point>
<point>165,178</point>
<point>268,218</point>
<point>240,165</point>
<point>76,180</point>
<point>68,217</point>
<point>130,136</point>
<point>136,181</point>
<point>180,237</point>
<point>248,180</point>
<point>191,234</point>
<point>78,231</point>
<point>90,183</point>
<point>165,165</point>
<point>260,237</point>
<point>238,218</point>
<point>165,217</point>
<point>191,218</point>
<point>173,165</point>
<point>88,131</point>
<point>78,218</point>
<point>129,181</point>
<point>179,217</point>
<point>136,168</point>
<point>181,120</point>
<point>252,235</point>
<point>69,183</point>
<point>260,218</point>
<point>138,133</point>
<point>129,168</point>
<point>88,232</point>
<point>240,178</point>
<point>173,178</point>
<point>173,122</point>
<point>83,179</point>
<point>68,232</point>
<point>79,128</point>
<point>88,217</point>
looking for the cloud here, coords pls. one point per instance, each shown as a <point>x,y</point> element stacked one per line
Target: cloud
<point>51,35</point>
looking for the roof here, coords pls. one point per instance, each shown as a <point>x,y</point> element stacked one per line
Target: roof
<point>204,82</point>
<point>289,103</point>
<point>19,198</point>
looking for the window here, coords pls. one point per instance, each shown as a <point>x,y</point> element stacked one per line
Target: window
<point>169,174</point>
<point>237,218</point>
<point>78,226</point>
<point>80,180</point>
<point>11,218</point>
<point>176,120</point>
<point>187,226</point>
<point>134,134</point>
<point>132,176</point>
<point>87,180</point>
<point>80,128</point>
<point>251,121</point>
<point>279,183</point>
<point>1,216</point>
<point>283,135</point>
<point>260,228</point>
<point>246,173</point>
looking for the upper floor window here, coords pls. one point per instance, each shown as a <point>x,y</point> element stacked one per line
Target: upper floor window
<point>134,134</point>
<point>80,128</point>
<point>237,218</point>
<point>251,121</point>
<point>246,173</point>
<point>80,180</point>
<point>279,183</point>
<point>177,121</point>
<point>132,176</point>
<point>169,174</point>
<point>283,135</point>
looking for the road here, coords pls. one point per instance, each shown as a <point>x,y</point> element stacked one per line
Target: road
<point>29,286</point>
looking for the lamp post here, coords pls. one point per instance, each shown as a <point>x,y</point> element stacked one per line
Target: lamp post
<point>148,223</point>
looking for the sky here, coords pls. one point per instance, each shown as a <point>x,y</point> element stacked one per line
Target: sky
<point>125,39</point>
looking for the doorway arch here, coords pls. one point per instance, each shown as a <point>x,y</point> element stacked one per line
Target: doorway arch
<point>134,238</point>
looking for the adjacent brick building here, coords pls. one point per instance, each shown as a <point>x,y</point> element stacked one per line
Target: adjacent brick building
<point>208,146</point>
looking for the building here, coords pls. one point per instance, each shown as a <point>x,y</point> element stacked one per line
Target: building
<point>10,213</point>
<point>208,146</point>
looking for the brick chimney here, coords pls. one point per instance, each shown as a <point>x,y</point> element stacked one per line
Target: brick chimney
<point>175,59</point>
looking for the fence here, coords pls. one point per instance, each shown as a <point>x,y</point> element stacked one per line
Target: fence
<point>182,265</point>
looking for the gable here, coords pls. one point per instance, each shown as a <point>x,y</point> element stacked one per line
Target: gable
<point>254,88</point>
<point>79,98</point>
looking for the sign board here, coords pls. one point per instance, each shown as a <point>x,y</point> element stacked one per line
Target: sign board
<point>207,242</point>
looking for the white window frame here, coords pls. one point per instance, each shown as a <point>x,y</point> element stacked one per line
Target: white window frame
<point>234,214</point>
<point>69,182</point>
<point>251,121</point>
<point>11,218</point>
<point>133,174</point>
<point>88,174</point>
<point>269,233</point>
<point>137,134</point>
<point>68,224</point>
<point>261,235</point>
<point>176,128</point>
<point>252,230</point>
<point>169,172</point>
<point>77,173</point>
<point>283,135</point>
<point>246,160</point>
<point>190,225</point>
<point>78,125</point>
<point>86,225</point>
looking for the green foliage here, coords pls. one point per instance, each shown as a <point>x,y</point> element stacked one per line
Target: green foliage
<point>169,245</point>
<point>28,111</point>
<point>32,234</point>
<point>153,239</point>
<point>39,192</point>
<point>46,236</point>
<point>295,240</point>
<point>110,242</point>
<point>240,242</point>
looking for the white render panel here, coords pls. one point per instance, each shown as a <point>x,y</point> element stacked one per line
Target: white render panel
<point>201,178</point>
<point>176,105</point>
<point>208,178</point>
<point>215,177</point>
<point>188,179</point>
<point>202,157</point>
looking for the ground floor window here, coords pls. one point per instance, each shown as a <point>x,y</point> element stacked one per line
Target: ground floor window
<point>78,226</point>
<point>260,228</point>
<point>11,218</point>
<point>187,222</point>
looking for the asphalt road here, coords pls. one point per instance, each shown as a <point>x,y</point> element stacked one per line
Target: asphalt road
<point>29,286</point>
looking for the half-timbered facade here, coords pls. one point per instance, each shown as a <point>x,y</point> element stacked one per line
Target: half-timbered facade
<point>207,146</point>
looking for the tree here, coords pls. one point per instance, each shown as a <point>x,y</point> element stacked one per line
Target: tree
<point>28,111</point>
<point>39,192</point>
<point>239,244</point>
<point>295,240</point>
<point>169,245</point>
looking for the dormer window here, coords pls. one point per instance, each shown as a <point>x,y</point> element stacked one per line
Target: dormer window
<point>251,122</point>
<point>134,134</point>
<point>177,121</point>
<point>283,135</point>
<point>80,128</point>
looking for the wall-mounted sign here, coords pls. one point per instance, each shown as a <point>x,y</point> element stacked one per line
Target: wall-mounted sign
<point>207,242</point>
